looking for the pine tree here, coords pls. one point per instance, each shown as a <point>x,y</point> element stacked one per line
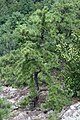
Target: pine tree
<point>38,59</point>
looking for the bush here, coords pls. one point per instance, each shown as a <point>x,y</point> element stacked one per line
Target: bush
<point>57,98</point>
<point>4,108</point>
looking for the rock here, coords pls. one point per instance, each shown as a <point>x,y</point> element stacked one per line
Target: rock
<point>14,96</point>
<point>21,116</point>
<point>72,113</point>
<point>50,112</point>
<point>29,118</point>
<point>42,96</point>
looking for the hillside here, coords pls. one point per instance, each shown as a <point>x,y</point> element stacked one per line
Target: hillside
<point>39,58</point>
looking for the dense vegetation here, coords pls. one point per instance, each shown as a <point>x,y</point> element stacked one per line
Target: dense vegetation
<point>40,44</point>
<point>4,108</point>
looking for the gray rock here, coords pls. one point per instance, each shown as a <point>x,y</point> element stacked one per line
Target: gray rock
<point>72,113</point>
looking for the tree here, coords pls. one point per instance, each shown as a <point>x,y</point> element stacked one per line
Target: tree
<point>38,59</point>
<point>38,43</point>
<point>27,6</point>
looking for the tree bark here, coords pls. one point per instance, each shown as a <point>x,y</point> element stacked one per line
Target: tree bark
<point>42,29</point>
<point>36,79</point>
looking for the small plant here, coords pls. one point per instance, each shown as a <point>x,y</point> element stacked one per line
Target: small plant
<point>54,116</point>
<point>4,108</point>
<point>57,98</point>
<point>24,102</point>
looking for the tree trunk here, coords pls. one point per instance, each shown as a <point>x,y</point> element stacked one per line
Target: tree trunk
<point>42,29</point>
<point>36,79</point>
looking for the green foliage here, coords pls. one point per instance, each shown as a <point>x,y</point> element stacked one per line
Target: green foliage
<point>8,73</point>
<point>72,71</point>
<point>27,6</point>
<point>57,98</point>
<point>38,36</point>
<point>4,108</point>
<point>24,102</point>
<point>54,116</point>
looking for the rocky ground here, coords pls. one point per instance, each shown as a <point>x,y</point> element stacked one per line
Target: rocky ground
<point>14,96</point>
<point>71,113</point>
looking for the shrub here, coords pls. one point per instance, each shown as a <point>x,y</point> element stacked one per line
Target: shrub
<point>57,98</point>
<point>4,108</point>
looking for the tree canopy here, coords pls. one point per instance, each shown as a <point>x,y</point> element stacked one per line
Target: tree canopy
<point>36,38</point>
